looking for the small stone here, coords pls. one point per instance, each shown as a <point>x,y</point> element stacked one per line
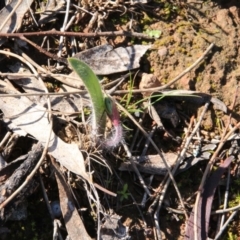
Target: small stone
<point>162,51</point>
<point>148,81</point>
<point>177,38</point>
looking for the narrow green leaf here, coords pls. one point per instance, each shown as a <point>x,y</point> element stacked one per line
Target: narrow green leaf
<point>94,89</point>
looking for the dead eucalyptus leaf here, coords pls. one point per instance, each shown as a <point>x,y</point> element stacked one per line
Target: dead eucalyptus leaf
<point>33,119</point>
<point>105,60</point>
<point>195,97</point>
<point>65,104</point>
<point>51,9</point>
<point>205,204</point>
<point>15,20</point>
<point>75,227</point>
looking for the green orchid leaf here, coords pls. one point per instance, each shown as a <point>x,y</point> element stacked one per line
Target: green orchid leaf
<point>94,89</point>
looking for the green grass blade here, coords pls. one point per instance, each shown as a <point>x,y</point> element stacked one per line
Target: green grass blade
<point>94,89</point>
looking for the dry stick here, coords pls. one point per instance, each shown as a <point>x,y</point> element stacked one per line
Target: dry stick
<point>221,211</point>
<point>225,225</point>
<point>42,50</point>
<point>5,139</point>
<point>144,199</point>
<point>77,83</point>
<point>146,145</point>
<point>136,134</point>
<point>39,68</point>
<point>72,34</point>
<point>74,85</point>
<point>156,148</point>
<point>96,202</point>
<point>224,138</point>
<point>63,28</point>
<point>21,59</point>
<point>129,154</point>
<point>45,196</point>
<point>36,94</point>
<point>226,196</point>
<point>16,76</point>
<point>76,34</point>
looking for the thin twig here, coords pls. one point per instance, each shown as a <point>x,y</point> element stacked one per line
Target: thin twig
<point>220,211</point>
<point>70,34</point>
<point>45,196</point>
<point>226,195</point>
<point>146,145</point>
<point>46,74</point>
<point>227,210</point>
<point>144,199</point>
<point>157,149</point>
<point>135,137</point>
<point>129,154</point>
<point>225,225</point>
<point>37,66</point>
<point>133,199</point>
<point>76,34</point>
<point>4,140</point>
<point>21,59</point>
<point>63,29</point>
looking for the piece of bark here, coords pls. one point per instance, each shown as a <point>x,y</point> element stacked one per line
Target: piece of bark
<point>151,164</point>
<point>16,179</point>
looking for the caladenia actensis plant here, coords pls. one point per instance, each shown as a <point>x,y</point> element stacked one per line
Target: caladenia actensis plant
<point>114,116</point>
<point>102,106</point>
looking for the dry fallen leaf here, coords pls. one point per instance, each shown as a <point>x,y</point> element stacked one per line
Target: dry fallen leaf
<point>33,119</point>
<point>105,60</point>
<point>15,21</point>
<point>73,222</point>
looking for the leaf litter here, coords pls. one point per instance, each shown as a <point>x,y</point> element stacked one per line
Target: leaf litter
<point>171,113</point>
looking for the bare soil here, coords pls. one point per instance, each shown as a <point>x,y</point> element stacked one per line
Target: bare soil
<point>185,38</point>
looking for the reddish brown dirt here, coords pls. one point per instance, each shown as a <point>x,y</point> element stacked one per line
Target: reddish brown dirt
<point>182,42</point>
